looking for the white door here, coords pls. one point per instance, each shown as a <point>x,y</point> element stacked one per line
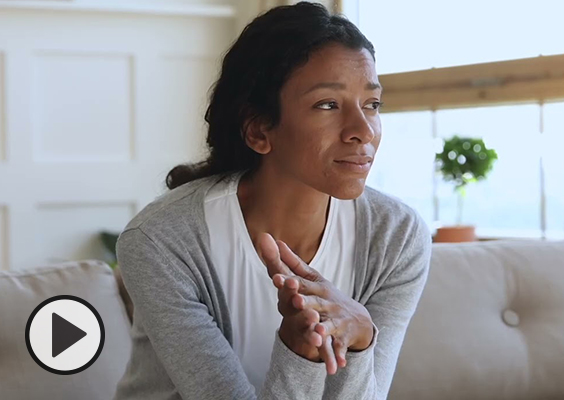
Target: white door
<point>97,104</point>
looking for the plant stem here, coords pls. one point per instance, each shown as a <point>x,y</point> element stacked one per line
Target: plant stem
<point>461,191</point>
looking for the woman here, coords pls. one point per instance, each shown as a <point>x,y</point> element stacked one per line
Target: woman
<point>269,271</point>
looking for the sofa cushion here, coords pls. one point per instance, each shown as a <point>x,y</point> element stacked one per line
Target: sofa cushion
<point>21,292</point>
<point>489,325</point>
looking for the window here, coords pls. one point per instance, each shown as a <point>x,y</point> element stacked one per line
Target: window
<point>411,35</point>
<point>508,200</point>
<point>524,194</point>
<point>553,147</point>
<point>403,165</point>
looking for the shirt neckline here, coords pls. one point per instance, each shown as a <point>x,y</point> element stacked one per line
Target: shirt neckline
<point>233,187</point>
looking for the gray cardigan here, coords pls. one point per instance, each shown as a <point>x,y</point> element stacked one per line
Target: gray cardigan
<point>182,335</point>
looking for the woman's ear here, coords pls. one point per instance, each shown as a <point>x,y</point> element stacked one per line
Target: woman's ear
<point>256,135</point>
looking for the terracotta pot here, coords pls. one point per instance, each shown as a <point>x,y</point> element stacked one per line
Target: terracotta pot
<point>456,234</point>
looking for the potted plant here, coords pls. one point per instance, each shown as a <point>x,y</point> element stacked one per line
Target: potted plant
<point>109,240</point>
<point>463,160</point>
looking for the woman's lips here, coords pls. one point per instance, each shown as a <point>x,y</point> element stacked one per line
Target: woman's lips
<point>354,167</point>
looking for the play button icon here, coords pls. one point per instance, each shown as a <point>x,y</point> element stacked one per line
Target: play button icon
<point>65,335</point>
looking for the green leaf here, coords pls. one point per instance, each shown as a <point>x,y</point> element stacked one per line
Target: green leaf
<point>464,160</point>
<point>109,240</point>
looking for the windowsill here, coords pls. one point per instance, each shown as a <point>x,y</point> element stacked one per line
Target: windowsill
<point>514,234</point>
<point>488,239</point>
<point>491,238</point>
<point>488,234</point>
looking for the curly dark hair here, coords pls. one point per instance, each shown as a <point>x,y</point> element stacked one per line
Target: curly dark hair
<point>254,69</point>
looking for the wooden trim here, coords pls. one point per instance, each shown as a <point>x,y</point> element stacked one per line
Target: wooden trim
<point>538,79</point>
<point>338,6</point>
<point>192,10</point>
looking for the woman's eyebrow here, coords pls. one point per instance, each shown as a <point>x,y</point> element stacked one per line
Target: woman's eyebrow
<point>326,85</point>
<point>340,86</point>
<point>373,86</point>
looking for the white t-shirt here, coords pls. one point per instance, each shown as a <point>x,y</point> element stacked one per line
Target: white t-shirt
<point>251,296</point>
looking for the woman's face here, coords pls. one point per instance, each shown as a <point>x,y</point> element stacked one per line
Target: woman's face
<point>329,113</point>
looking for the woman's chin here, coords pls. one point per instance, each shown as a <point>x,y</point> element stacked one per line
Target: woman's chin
<point>348,189</point>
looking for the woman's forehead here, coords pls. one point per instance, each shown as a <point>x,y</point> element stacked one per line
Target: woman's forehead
<point>335,67</point>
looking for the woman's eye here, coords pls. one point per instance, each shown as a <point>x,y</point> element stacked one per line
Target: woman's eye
<point>376,105</point>
<point>330,105</point>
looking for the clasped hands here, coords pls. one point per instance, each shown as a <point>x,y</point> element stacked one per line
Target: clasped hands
<point>320,323</point>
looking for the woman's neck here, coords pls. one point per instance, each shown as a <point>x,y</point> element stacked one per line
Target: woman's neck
<point>286,208</point>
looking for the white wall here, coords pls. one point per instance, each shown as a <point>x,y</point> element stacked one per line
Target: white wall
<point>99,99</point>
<point>97,102</point>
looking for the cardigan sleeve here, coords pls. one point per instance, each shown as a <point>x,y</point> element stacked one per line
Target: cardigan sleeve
<point>368,374</point>
<point>187,341</point>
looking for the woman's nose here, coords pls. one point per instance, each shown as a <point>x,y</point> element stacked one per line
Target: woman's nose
<point>360,128</point>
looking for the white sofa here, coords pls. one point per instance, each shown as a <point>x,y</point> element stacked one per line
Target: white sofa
<point>490,325</point>
<point>21,292</point>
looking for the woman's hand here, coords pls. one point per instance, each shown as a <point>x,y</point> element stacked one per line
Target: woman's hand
<point>344,323</point>
<point>303,339</point>
<point>343,318</point>
<point>297,327</point>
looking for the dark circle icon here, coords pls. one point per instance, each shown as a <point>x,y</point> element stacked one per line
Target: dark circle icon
<point>64,335</point>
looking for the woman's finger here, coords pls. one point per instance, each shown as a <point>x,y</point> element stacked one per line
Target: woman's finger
<point>269,253</point>
<point>309,319</point>
<point>340,343</point>
<point>340,351</point>
<point>285,294</point>
<point>302,302</point>
<point>278,280</point>
<point>326,328</point>
<point>312,337</point>
<point>296,264</point>
<point>304,286</point>
<point>327,355</point>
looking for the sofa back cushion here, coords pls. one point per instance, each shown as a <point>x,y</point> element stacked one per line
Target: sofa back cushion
<point>489,325</point>
<point>21,292</point>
